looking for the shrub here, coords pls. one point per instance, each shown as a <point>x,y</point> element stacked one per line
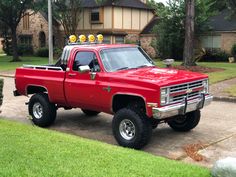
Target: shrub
<point>24,49</point>
<point>215,56</point>
<point>1,89</point>
<point>42,52</point>
<point>233,50</point>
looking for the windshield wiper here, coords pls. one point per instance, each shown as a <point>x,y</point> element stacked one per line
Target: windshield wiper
<point>142,66</point>
<point>124,68</point>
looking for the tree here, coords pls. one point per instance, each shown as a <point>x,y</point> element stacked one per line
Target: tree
<point>11,12</point>
<point>68,13</point>
<point>188,57</point>
<point>170,29</point>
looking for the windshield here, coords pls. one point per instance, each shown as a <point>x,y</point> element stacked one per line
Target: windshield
<point>116,59</point>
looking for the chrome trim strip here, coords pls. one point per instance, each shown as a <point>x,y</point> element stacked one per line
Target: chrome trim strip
<point>43,67</point>
<point>179,109</point>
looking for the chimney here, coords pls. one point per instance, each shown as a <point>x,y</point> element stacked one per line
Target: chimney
<point>144,1</point>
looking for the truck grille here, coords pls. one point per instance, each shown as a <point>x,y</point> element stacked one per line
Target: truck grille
<point>190,90</point>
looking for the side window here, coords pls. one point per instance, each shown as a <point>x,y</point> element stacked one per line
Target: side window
<point>86,58</point>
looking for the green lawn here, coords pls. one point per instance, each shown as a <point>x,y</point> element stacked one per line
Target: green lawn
<point>6,65</point>
<point>30,151</point>
<point>228,73</point>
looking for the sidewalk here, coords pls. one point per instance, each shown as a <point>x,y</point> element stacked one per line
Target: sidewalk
<point>218,90</point>
<point>10,74</point>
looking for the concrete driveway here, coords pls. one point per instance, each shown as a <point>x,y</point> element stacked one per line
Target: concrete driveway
<point>217,129</point>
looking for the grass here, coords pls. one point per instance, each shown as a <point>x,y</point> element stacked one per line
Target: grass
<point>30,151</point>
<point>228,73</point>
<point>6,65</point>
<point>231,90</point>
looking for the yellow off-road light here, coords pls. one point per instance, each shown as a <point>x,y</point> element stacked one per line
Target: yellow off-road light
<point>82,38</point>
<point>91,38</point>
<point>100,38</point>
<point>72,38</point>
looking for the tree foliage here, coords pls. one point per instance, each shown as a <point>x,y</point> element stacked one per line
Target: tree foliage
<point>68,13</point>
<point>11,12</point>
<point>171,27</point>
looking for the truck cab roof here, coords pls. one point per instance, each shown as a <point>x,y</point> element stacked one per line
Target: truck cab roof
<point>98,47</point>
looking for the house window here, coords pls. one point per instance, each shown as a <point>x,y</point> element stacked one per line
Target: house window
<point>211,42</point>
<point>26,39</point>
<point>96,15</point>
<point>120,39</point>
<point>26,21</point>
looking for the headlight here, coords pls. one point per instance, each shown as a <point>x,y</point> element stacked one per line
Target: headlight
<point>206,86</point>
<point>164,96</point>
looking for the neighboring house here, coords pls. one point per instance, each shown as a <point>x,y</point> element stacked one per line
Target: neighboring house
<point>222,34</point>
<point>118,21</point>
<point>115,19</point>
<point>33,30</point>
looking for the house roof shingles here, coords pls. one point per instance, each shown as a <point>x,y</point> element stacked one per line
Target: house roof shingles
<point>121,3</point>
<point>223,22</point>
<point>149,28</point>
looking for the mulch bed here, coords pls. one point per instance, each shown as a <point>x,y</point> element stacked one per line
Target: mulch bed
<point>199,69</point>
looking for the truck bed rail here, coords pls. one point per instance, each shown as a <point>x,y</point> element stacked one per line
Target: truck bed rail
<point>54,68</point>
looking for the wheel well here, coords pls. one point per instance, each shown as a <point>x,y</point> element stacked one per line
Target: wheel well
<point>122,101</point>
<point>35,89</point>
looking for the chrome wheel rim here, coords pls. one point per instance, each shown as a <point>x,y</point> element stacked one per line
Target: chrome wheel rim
<point>38,111</point>
<point>127,129</point>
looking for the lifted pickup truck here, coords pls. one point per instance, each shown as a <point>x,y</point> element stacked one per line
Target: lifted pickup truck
<point>116,79</point>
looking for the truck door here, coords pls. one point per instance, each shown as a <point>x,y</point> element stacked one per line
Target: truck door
<point>80,89</point>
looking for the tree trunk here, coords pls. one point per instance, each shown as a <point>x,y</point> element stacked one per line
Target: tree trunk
<point>14,46</point>
<point>189,34</point>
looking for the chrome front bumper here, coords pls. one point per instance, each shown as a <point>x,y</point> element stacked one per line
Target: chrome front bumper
<point>182,108</point>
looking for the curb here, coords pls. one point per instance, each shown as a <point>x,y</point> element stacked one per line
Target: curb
<point>7,75</point>
<point>225,99</point>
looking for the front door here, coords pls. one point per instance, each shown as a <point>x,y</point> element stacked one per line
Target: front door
<point>80,88</point>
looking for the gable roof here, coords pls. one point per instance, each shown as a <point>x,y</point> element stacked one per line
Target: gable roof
<point>118,3</point>
<point>149,28</point>
<point>223,22</point>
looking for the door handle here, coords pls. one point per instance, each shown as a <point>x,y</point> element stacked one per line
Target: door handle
<point>72,74</point>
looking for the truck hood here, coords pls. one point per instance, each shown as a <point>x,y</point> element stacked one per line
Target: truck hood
<point>160,76</point>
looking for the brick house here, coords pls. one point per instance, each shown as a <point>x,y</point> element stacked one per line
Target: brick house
<point>222,34</point>
<point>119,21</point>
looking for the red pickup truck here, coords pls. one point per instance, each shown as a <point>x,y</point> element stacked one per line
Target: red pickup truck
<point>116,79</point>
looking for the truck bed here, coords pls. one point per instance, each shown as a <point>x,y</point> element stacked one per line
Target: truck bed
<point>50,78</point>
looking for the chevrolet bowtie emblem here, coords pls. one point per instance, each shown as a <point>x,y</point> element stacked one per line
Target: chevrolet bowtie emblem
<point>189,91</point>
<point>107,88</point>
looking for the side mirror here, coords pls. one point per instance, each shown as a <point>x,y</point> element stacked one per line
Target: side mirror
<point>168,62</point>
<point>84,69</point>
